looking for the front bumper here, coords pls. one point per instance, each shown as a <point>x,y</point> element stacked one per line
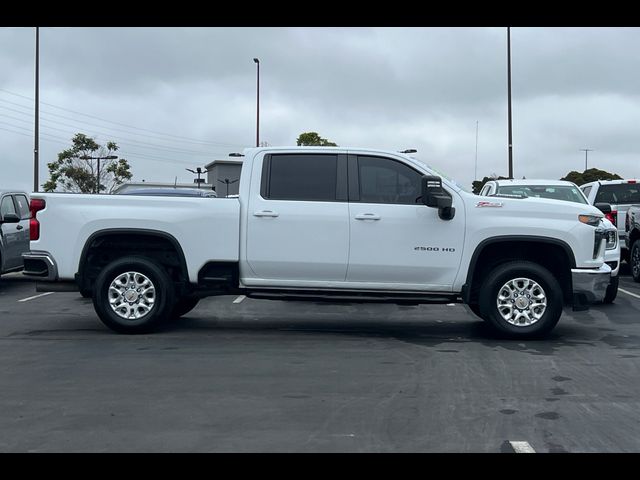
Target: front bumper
<point>589,285</point>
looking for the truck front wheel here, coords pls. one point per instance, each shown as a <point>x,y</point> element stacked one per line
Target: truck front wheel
<point>133,295</point>
<point>521,299</point>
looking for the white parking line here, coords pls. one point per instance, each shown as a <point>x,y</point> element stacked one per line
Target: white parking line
<point>629,293</point>
<point>35,296</point>
<point>522,447</point>
<point>239,299</point>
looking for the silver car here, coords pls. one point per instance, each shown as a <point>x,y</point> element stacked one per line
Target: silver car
<point>14,229</point>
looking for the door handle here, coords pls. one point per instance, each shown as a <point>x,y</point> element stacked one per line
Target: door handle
<point>367,216</point>
<point>19,227</point>
<point>265,213</point>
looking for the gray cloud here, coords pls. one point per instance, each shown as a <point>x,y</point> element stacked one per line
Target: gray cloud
<point>380,87</point>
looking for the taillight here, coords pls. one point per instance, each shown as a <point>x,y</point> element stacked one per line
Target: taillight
<point>35,206</point>
<point>612,216</point>
<point>631,181</point>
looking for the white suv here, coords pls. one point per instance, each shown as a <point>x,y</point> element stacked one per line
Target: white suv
<point>565,191</point>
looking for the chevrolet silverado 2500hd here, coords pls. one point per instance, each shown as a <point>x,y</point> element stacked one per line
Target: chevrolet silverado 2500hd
<point>323,223</point>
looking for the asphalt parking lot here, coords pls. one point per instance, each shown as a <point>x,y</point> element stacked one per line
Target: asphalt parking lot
<point>243,375</point>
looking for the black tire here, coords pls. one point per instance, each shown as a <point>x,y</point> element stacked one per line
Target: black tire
<point>634,261</point>
<point>475,308</point>
<point>162,295</point>
<point>183,306</point>
<point>612,290</point>
<point>499,277</point>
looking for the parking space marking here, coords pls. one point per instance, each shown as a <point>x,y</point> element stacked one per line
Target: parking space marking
<point>239,298</point>
<point>35,296</point>
<point>522,447</point>
<point>629,293</point>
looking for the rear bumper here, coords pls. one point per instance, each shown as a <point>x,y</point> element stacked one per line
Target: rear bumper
<point>40,266</point>
<point>589,285</point>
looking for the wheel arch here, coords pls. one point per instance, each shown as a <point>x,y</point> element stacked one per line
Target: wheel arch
<point>552,253</point>
<point>132,237</point>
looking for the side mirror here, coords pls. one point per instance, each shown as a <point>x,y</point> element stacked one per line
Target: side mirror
<point>603,207</point>
<point>434,196</point>
<point>10,218</point>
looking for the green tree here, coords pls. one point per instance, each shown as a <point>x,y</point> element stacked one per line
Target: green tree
<point>73,173</point>
<point>312,138</point>
<point>590,175</point>
<point>478,184</point>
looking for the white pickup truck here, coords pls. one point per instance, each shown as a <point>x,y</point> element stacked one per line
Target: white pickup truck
<point>323,223</point>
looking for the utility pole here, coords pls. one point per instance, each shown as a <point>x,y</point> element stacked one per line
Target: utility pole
<point>199,171</point>
<point>36,173</point>
<point>509,101</point>
<point>475,173</point>
<point>257,62</point>
<point>586,153</point>
<point>109,157</point>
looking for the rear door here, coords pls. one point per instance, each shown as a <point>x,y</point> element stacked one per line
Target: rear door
<point>298,224</point>
<point>11,235</point>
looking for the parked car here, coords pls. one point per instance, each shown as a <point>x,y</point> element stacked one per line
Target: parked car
<point>632,229</point>
<point>328,223</point>
<point>14,229</point>
<point>569,192</point>
<point>619,194</point>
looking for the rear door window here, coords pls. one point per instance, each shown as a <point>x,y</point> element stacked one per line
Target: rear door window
<point>305,177</point>
<point>6,206</point>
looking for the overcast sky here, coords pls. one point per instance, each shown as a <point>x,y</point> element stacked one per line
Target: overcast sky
<point>176,98</point>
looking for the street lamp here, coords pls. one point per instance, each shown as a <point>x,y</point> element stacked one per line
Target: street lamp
<point>257,62</point>
<point>509,101</point>
<point>199,171</point>
<point>227,183</point>
<point>109,157</point>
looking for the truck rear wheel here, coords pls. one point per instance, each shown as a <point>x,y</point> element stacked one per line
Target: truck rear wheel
<point>521,299</point>
<point>133,295</point>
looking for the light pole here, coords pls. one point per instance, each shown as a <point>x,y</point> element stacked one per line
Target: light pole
<point>509,100</point>
<point>199,171</point>
<point>37,118</point>
<point>87,157</point>
<point>586,153</point>
<point>257,62</point>
<point>227,183</point>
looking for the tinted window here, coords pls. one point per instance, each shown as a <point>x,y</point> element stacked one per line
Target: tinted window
<point>619,193</point>
<point>383,180</point>
<point>303,177</point>
<point>23,206</point>
<point>586,191</point>
<point>7,206</point>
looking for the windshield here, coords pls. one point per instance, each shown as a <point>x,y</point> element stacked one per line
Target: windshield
<point>568,193</point>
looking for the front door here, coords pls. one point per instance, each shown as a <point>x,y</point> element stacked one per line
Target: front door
<point>396,241</point>
<point>298,226</point>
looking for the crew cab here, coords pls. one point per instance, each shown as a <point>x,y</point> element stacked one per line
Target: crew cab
<point>619,194</point>
<point>351,224</point>
<point>566,191</point>
<point>14,229</point>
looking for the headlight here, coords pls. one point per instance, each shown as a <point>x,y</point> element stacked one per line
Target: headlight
<point>612,239</point>
<point>593,220</point>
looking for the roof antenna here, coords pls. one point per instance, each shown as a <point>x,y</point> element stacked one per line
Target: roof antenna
<point>175,183</point>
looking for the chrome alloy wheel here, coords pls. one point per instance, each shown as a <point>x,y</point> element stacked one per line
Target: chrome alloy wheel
<point>132,295</point>
<point>521,302</point>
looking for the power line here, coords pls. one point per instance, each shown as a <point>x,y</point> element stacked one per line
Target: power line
<point>123,124</point>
